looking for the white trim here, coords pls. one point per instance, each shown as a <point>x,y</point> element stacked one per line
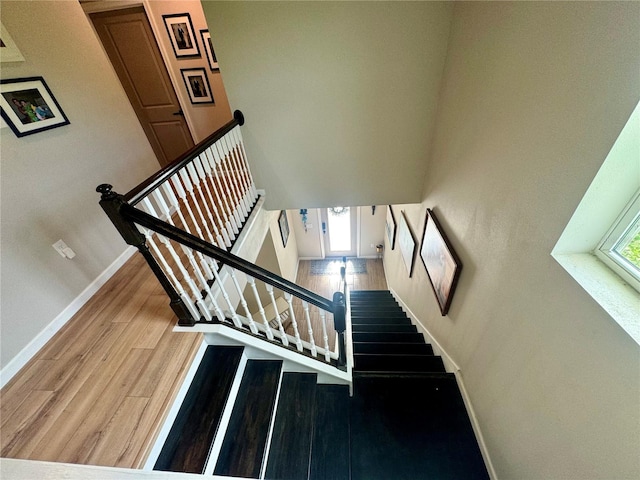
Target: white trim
<point>15,469</point>
<point>216,446</point>
<point>272,423</point>
<point>452,367</point>
<point>46,334</point>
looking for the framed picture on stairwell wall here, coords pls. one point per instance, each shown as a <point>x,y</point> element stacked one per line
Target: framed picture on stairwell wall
<point>197,83</point>
<point>208,49</point>
<point>28,106</point>
<point>283,223</point>
<point>182,35</point>
<point>441,261</point>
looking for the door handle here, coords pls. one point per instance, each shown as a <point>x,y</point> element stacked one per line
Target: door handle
<point>179,112</point>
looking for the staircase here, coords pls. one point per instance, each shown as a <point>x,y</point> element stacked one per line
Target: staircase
<point>405,420</point>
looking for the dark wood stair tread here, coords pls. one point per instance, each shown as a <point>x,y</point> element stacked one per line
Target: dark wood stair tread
<point>409,427</point>
<point>187,446</point>
<point>244,443</point>
<point>290,450</point>
<point>330,457</point>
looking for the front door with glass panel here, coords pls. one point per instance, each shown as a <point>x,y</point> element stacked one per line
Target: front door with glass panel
<point>339,231</point>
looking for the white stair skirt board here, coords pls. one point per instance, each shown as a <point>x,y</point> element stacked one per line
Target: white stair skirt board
<point>257,348</point>
<point>39,341</point>
<point>452,367</point>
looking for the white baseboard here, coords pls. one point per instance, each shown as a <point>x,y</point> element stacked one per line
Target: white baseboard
<point>39,341</point>
<point>452,367</point>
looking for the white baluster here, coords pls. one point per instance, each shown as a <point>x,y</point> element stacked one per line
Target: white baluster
<point>188,184</point>
<point>314,350</point>
<point>173,201</point>
<point>209,165</point>
<point>217,156</point>
<point>234,174</point>
<point>243,302</point>
<point>234,315</point>
<point>195,291</point>
<point>283,335</point>
<point>223,237</point>
<point>220,190</point>
<point>238,135</point>
<point>146,203</point>
<point>170,275</point>
<point>267,327</point>
<point>289,298</point>
<point>197,180</point>
<point>240,173</point>
<point>325,337</point>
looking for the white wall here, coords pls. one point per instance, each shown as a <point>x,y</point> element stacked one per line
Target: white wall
<point>335,95</point>
<point>48,179</point>
<point>534,96</point>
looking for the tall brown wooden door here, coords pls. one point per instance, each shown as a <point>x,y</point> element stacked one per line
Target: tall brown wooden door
<point>129,42</point>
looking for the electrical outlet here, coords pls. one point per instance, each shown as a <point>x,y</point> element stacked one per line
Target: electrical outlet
<point>63,249</point>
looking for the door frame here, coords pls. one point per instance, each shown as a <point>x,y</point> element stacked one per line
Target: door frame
<point>354,212</point>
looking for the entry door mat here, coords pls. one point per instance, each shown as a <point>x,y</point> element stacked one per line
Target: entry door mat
<point>332,267</point>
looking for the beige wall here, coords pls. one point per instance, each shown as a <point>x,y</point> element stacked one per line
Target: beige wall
<point>371,229</point>
<point>534,97</point>
<point>48,179</point>
<point>335,94</point>
<point>287,256</point>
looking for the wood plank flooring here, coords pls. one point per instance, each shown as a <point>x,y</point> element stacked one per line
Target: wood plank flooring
<point>98,391</point>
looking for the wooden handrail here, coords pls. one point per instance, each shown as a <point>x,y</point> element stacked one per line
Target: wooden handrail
<point>150,184</point>
<point>135,215</point>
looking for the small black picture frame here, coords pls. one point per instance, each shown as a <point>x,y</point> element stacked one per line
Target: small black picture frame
<point>182,35</point>
<point>208,50</point>
<point>390,227</point>
<point>283,223</point>
<point>28,106</point>
<point>197,83</point>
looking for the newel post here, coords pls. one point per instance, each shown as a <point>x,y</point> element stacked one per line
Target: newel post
<point>112,202</point>
<point>340,325</point>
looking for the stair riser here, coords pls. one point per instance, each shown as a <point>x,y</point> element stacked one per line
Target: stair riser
<point>398,363</point>
<point>388,337</point>
<point>381,328</point>
<point>380,321</point>
<point>377,314</point>
<point>393,348</point>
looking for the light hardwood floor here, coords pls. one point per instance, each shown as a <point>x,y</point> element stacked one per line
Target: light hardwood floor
<point>98,391</point>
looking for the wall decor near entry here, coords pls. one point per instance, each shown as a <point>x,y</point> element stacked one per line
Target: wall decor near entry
<point>406,243</point>
<point>181,34</point>
<point>208,49</point>
<point>441,261</point>
<point>197,83</point>
<point>28,106</point>
<point>283,223</point>
<point>390,227</point>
